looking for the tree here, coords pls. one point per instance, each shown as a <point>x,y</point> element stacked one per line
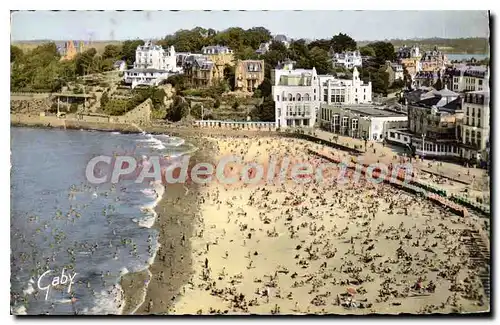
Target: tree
<point>178,81</point>
<point>367,51</point>
<point>128,50</point>
<point>178,109</point>
<point>264,112</point>
<point>398,84</point>
<point>111,52</point>
<point>438,85</point>
<point>265,88</point>
<point>320,59</point>
<point>196,111</point>
<point>229,75</point>
<point>247,53</point>
<point>380,82</point>
<point>104,99</point>
<point>255,36</point>
<point>299,52</point>
<point>85,62</point>
<point>16,54</point>
<point>343,42</point>
<point>323,44</point>
<point>384,51</point>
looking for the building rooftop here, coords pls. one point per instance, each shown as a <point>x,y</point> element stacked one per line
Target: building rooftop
<point>452,106</point>
<point>216,48</point>
<point>253,65</point>
<point>280,38</point>
<point>445,92</point>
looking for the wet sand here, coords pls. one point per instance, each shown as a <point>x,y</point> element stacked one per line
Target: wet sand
<point>172,265</point>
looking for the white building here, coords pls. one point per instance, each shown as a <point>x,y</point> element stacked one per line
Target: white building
<point>295,93</point>
<point>263,48</point>
<point>343,91</point>
<point>216,49</point>
<point>120,65</point>
<point>147,77</point>
<point>463,78</point>
<point>151,56</point>
<point>360,121</point>
<point>348,60</point>
<point>475,130</point>
<point>398,71</point>
<point>298,94</point>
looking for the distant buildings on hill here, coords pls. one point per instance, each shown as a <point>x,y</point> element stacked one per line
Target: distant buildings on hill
<point>69,49</point>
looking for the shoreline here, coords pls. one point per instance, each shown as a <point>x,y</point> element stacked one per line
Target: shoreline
<point>172,265</point>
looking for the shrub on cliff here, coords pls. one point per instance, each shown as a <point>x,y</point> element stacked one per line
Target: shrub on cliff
<point>217,103</point>
<point>178,109</point>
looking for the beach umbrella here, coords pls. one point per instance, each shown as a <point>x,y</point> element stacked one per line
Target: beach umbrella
<point>352,291</point>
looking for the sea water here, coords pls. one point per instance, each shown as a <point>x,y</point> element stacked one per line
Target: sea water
<point>60,221</point>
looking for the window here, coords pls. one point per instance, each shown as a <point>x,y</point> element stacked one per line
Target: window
<point>289,97</point>
<point>406,139</point>
<point>314,88</point>
<point>480,82</point>
<point>278,98</point>
<point>299,97</point>
<point>354,124</point>
<point>467,120</point>
<point>315,97</point>
<point>345,121</point>
<point>478,141</point>
<point>473,112</point>
<point>307,98</point>
<point>325,97</point>
<point>467,113</point>
<point>399,136</point>
<point>391,134</point>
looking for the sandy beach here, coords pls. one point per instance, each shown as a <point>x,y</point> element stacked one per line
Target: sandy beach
<point>345,248</point>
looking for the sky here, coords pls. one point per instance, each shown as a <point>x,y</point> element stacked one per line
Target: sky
<point>360,25</point>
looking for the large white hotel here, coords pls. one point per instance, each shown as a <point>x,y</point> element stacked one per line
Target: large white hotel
<point>298,94</point>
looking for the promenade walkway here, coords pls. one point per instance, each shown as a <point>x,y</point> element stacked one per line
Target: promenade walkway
<point>457,179</point>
